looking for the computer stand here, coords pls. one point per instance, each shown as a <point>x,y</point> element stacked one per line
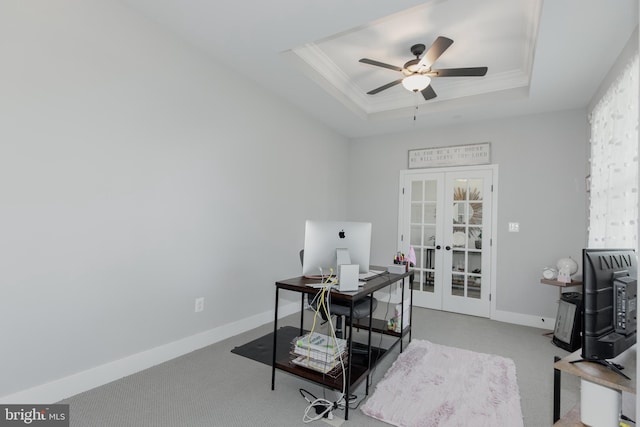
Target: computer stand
<point>609,365</point>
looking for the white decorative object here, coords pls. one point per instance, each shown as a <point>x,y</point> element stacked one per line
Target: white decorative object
<point>459,155</point>
<point>567,264</point>
<point>549,273</point>
<point>563,275</point>
<point>459,238</point>
<point>599,405</point>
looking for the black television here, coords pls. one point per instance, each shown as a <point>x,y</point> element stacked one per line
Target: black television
<point>609,295</point>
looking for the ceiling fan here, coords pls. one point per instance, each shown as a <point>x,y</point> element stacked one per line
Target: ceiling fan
<point>417,73</point>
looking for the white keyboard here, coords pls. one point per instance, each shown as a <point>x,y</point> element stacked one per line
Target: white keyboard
<point>320,285</point>
<point>369,274</point>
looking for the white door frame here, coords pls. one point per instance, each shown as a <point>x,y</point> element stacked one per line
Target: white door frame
<point>494,218</point>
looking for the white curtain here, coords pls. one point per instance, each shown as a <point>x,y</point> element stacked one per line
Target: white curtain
<point>613,199</point>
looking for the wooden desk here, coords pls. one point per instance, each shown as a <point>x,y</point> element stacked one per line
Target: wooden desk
<point>594,373</point>
<point>357,368</point>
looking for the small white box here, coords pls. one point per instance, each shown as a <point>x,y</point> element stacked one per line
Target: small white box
<point>397,268</point>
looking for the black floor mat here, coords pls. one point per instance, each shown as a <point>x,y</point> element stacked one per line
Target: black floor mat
<point>260,349</point>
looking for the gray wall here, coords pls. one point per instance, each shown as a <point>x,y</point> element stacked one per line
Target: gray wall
<point>135,176</point>
<point>542,168</point>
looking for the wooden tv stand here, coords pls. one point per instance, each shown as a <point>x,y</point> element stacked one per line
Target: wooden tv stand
<point>594,373</point>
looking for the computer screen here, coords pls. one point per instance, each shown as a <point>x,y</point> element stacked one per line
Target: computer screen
<point>322,239</point>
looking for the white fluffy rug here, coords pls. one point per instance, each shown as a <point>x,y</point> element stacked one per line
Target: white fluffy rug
<point>433,385</point>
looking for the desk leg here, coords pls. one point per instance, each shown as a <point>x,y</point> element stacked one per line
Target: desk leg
<point>402,319</point>
<point>275,343</point>
<point>369,346</point>
<point>347,385</point>
<point>302,296</point>
<point>410,306</point>
<point>556,391</point>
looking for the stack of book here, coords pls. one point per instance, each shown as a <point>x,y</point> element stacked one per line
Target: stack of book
<point>318,352</point>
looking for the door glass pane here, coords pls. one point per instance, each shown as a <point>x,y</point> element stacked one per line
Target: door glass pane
<point>429,235</point>
<point>475,189</point>
<point>429,259</point>
<point>476,213</point>
<point>475,262</point>
<point>430,191</point>
<point>430,213</point>
<point>475,237</point>
<point>460,214</point>
<point>429,282</point>
<point>457,285</point>
<point>458,261</point>
<point>416,213</point>
<point>475,198</point>
<point>474,287</point>
<point>416,191</point>
<point>460,189</point>
<point>416,285</point>
<point>459,238</point>
<point>424,279</point>
<point>414,238</point>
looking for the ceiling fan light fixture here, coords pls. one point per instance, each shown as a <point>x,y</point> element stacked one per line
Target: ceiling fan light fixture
<point>416,82</point>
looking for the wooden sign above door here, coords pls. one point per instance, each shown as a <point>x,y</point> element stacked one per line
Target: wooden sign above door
<point>457,155</point>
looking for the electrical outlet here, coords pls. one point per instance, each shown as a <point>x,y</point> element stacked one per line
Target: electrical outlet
<point>514,227</point>
<point>199,304</point>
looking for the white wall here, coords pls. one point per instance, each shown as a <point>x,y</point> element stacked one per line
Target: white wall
<point>135,176</point>
<point>542,169</point>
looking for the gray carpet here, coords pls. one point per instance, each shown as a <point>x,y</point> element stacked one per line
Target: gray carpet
<point>214,387</point>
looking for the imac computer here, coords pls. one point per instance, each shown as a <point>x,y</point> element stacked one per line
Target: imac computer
<point>328,244</point>
<point>609,304</point>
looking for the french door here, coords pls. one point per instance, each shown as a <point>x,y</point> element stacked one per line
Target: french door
<point>446,218</point>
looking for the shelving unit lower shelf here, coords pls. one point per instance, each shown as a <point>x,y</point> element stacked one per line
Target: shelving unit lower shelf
<point>359,364</point>
<point>359,369</point>
<point>379,326</point>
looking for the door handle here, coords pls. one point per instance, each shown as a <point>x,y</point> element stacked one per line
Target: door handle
<point>438,247</point>
<point>448,248</point>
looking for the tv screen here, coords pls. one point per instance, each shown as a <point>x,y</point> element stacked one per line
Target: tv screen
<point>609,302</point>
<point>322,239</point>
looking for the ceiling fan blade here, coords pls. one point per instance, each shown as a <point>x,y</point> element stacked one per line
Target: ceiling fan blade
<point>437,48</point>
<point>459,72</point>
<point>383,87</point>
<point>428,93</point>
<point>380,64</point>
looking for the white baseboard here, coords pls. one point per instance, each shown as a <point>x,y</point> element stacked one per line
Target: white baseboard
<point>524,319</point>
<point>499,315</point>
<point>71,385</point>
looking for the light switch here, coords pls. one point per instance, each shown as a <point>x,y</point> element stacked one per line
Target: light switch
<point>514,227</point>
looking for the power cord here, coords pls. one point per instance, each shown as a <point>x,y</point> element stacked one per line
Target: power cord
<point>323,408</point>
